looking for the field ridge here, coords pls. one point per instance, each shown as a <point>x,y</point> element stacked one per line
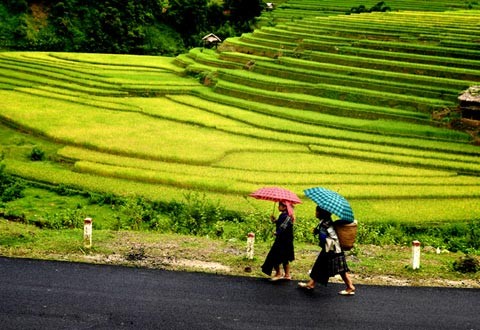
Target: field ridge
<point>349,102</point>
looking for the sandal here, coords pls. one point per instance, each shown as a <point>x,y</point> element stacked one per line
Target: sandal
<point>303,285</point>
<point>346,293</point>
<point>276,278</point>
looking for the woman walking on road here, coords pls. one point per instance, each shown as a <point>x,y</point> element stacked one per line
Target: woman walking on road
<point>331,260</point>
<point>282,250</point>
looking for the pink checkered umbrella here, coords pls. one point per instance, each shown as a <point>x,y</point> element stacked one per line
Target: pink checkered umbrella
<point>277,194</point>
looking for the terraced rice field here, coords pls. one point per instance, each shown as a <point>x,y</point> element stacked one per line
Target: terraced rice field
<point>340,101</point>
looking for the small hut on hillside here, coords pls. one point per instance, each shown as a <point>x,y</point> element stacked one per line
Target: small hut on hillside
<point>470,103</point>
<point>211,40</point>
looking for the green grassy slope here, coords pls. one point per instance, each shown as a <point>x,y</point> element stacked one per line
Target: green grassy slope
<point>311,115</point>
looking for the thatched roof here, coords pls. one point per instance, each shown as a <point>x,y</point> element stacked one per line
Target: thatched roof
<point>471,95</point>
<point>211,38</point>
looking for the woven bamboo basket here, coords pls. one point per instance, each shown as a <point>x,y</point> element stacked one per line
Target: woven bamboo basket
<point>347,233</point>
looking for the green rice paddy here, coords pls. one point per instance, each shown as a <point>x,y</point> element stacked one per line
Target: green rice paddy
<point>295,105</point>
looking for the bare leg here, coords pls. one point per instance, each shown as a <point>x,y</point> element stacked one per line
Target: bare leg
<point>277,271</point>
<point>286,269</point>
<point>348,282</point>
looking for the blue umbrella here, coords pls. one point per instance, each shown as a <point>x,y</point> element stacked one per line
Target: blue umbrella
<point>332,202</point>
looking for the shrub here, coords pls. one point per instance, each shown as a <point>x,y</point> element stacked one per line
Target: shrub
<point>37,154</point>
<point>138,212</point>
<point>161,223</point>
<point>462,236</point>
<point>196,216</point>
<point>379,234</point>
<point>160,39</point>
<point>455,237</point>
<point>68,218</point>
<point>238,227</point>
<point>380,6</point>
<point>104,199</point>
<point>466,264</point>
<point>303,230</point>
<point>64,190</point>
<point>10,187</point>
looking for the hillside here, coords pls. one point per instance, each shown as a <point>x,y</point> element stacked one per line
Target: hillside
<point>142,27</point>
<point>347,102</point>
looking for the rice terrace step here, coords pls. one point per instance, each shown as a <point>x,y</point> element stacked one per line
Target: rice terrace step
<point>314,96</point>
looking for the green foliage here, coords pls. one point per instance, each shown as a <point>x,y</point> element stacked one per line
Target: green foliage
<point>466,264</point>
<point>160,39</point>
<point>104,199</point>
<point>378,234</point>
<point>137,212</point>
<point>37,154</point>
<point>227,30</point>
<point>242,11</point>
<point>65,190</point>
<point>471,4</point>
<point>380,6</point>
<point>238,226</point>
<point>16,6</point>
<point>235,138</point>
<point>117,26</point>
<point>68,218</point>
<point>455,237</point>
<point>10,187</point>
<point>57,218</point>
<point>196,216</point>
<point>162,223</point>
<point>189,18</point>
<point>304,230</point>
<point>462,236</point>
<point>10,25</point>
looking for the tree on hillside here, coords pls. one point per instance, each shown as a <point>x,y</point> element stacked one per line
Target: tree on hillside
<point>242,12</point>
<point>163,27</point>
<point>189,18</point>
<point>16,6</point>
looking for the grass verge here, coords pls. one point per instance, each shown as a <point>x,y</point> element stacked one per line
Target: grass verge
<point>387,265</point>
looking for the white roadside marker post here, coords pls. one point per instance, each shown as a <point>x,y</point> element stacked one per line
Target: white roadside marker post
<point>87,232</point>
<point>250,245</point>
<point>416,254</point>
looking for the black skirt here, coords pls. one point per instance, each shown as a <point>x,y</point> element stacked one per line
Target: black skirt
<point>328,264</point>
<point>281,252</point>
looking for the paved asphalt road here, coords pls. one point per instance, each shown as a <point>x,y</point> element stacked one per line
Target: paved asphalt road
<point>59,295</point>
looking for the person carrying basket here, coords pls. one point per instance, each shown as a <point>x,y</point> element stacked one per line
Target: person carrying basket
<point>331,260</point>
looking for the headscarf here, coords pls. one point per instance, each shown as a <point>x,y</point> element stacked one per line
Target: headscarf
<point>290,210</point>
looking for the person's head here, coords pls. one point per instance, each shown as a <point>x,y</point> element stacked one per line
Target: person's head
<point>282,207</point>
<point>322,214</point>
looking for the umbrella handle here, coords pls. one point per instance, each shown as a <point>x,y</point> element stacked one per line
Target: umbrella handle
<point>273,211</point>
